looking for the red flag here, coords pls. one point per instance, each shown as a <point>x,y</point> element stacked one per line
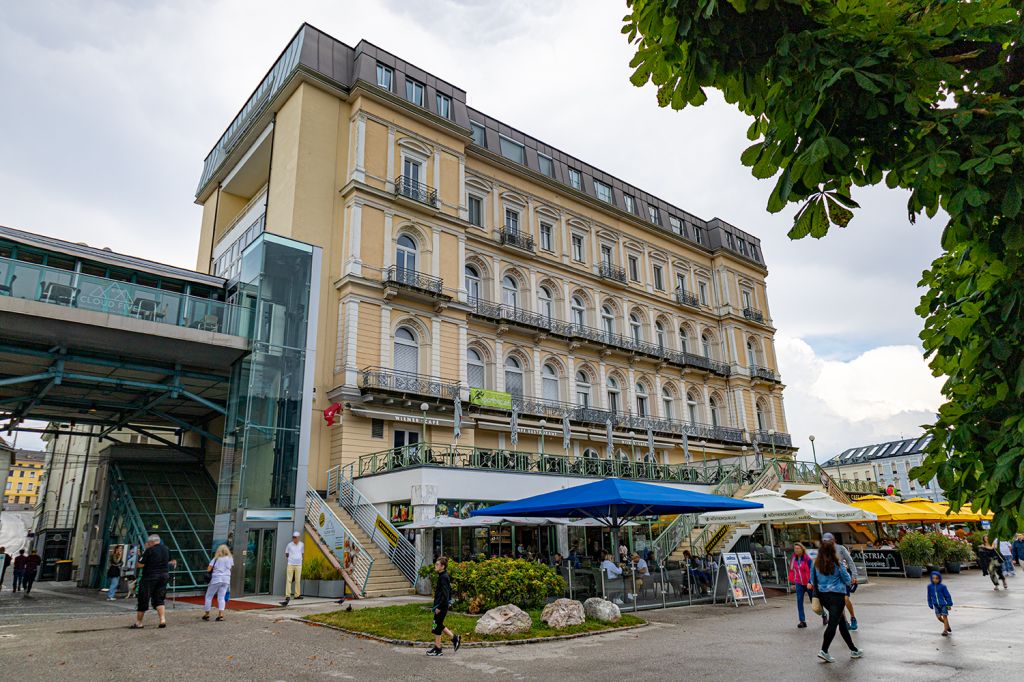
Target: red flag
<point>330,412</point>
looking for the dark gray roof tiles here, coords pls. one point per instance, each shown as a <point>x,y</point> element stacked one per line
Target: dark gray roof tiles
<point>868,453</point>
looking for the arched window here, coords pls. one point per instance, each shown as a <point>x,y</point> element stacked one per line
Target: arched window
<point>691,408</point>
<point>613,394</point>
<point>607,319</point>
<point>642,408</point>
<point>579,311</point>
<point>751,352</point>
<point>715,416</point>
<point>472,282</point>
<point>510,291</point>
<point>705,341</point>
<point>590,453</point>
<point>667,404</point>
<point>621,455</point>
<point>684,340</point>
<point>659,332</point>
<point>545,305</point>
<point>513,377</point>
<point>476,374</point>
<point>582,389</point>
<point>763,419</point>
<point>407,351</point>
<point>405,254</point>
<point>549,383</point>
<point>635,328</point>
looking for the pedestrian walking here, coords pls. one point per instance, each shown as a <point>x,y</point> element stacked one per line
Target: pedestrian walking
<point>846,560</point>
<point>32,563</point>
<point>940,601</point>
<point>114,576</point>
<point>992,561</point>
<point>1018,550</point>
<point>5,561</point>
<point>442,600</point>
<point>155,564</point>
<point>19,569</point>
<point>220,580</point>
<point>830,580</point>
<point>1006,552</point>
<point>293,552</point>
<point>800,577</point>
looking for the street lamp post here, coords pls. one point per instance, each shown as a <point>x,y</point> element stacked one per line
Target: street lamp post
<point>632,445</point>
<point>423,408</point>
<point>771,437</point>
<point>813,451</point>
<point>543,426</point>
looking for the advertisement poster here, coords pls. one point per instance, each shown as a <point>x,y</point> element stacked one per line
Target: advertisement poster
<point>750,575</point>
<point>879,561</point>
<point>733,572</point>
<point>400,513</point>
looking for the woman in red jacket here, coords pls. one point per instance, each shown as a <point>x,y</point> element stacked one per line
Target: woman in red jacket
<point>800,577</point>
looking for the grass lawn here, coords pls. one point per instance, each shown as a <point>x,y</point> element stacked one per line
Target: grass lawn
<point>412,622</point>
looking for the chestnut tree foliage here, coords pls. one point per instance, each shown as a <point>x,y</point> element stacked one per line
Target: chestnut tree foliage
<point>924,95</point>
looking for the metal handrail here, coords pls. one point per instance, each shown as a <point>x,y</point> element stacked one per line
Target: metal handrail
<point>382,378</point>
<point>684,525</point>
<point>504,312</point>
<point>417,191</point>
<point>684,297</point>
<point>753,314</point>
<point>394,544</point>
<point>413,279</point>
<point>612,272</point>
<point>515,461</point>
<point>351,556</point>
<point>779,438</point>
<point>517,239</point>
<point>762,372</point>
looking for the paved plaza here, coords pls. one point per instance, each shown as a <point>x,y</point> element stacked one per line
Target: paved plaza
<point>73,634</point>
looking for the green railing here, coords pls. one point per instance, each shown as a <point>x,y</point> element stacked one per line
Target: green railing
<point>684,525</point>
<point>34,282</point>
<point>861,487</point>
<point>514,461</point>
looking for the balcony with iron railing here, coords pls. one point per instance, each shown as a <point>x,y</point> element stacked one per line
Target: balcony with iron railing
<point>776,438</point>
<point>502,313</point>
<point>413,279</point>
<point>396,381</point>
<point>408,188</point>
<point>758,372</point>
<point>855,487</point>
<point>684,297</point>
<point>612,272</point>
<point>514,461</point>
<point>754,315</point>
<point>516,238</point>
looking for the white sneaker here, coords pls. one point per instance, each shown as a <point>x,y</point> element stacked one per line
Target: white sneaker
<point>826,656</point>
<point>856,653</point>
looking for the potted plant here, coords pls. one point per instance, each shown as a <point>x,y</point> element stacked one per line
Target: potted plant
<point>321,579</point>
<point>958,553</point>
<point>917,551</point>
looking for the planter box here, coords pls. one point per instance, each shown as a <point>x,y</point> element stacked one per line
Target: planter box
<point>953,567</point>
<point>914,571</point>
<point>334,589</point>
<point>311,588</point>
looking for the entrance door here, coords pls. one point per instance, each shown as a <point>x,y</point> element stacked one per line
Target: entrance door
<point>259,561</point>
<point>403,438</point>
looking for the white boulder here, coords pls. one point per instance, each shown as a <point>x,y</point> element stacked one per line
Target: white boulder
<point>602,610</point>
<point>562,613</point>
<point>504,620</point>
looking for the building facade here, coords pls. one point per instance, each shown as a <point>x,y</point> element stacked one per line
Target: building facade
<point>884,464</point>
<point>470,269</point>
<point>25,477</point>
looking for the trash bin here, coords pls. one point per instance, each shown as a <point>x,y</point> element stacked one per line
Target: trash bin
<point>63,570</point>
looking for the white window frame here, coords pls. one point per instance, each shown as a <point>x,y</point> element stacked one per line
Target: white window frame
<point>479,364</point>
<point>470,198</point>
<point>702,288</point>
<point>659,277</point>
<point>502,141</point>
<point>546,240</point>
<point>545,160</point>
<point>603,192</point>
<point>653,214</point>
<point>416,90</point>
<point>444,106</point>
<point>575,179</point>
<point>579,247</point>
<point>633,261</point>
<point>629,202</point>
<point>385,76</point>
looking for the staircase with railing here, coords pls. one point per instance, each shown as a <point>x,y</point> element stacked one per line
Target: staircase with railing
<point>353,559</point>
<point>380,536</point>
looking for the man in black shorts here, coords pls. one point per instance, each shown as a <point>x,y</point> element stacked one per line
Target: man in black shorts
<point>155,564</point>
<point>442,597</point>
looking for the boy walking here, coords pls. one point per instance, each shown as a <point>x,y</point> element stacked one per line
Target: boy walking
<point>442,597</point>
<point>940,601</point>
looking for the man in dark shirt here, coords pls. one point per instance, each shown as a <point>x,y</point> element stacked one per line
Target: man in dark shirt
<point>32,562</point>
<point>442,597</point>
<point>19,569</point>
<point>155,564</point>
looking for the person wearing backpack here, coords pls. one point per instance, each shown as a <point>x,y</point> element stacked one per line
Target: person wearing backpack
<point>800,577</point>
<point>831,580</point>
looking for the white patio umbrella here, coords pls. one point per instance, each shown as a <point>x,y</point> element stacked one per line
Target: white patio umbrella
<point>776,507</point>
<point>834,509</point>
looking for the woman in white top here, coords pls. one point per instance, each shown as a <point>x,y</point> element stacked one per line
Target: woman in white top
<point>220,580</point>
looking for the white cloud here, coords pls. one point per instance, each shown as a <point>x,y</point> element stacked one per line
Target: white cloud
<point>882,394</point>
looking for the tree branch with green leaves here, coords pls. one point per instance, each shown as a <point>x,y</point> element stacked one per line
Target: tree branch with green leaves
<point>922,95</point>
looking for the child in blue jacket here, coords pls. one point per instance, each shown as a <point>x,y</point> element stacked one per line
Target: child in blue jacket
<point>940,601</point>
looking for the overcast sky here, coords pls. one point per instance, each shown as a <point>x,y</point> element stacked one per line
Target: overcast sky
<point>111,107</point>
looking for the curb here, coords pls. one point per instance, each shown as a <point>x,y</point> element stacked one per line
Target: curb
<point>475,645</point>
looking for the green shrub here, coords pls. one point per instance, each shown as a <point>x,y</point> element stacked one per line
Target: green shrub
<point>942,545</point>
<point>959,551</point>
<point>916,549</point>
<point>478,586</point>
<point>315,567</point>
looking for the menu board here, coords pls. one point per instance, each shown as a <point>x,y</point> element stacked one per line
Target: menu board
<point>734,573</point>
<point>751,577</point>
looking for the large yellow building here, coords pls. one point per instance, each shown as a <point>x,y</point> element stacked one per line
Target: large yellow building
<point>615,332</point>
<point>21,490</point>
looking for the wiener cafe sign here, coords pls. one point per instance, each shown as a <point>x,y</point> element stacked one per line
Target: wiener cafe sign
<point>498,400</point>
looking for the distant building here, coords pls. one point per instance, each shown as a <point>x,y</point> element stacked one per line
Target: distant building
<point>6,459</point>
<point>23,480</point>
<point>885,463</point>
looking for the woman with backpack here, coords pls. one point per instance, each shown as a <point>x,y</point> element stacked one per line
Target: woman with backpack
<point>830,581</point>
<point>220,581</point>
<point>800,577</point>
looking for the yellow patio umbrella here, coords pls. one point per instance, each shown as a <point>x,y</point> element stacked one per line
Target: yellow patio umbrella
<point>940,508</point>
<point>976,516</point>
<point>894,512</point>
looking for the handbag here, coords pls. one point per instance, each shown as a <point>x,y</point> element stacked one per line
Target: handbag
<point>815,602</point>
<point>208,576</point>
